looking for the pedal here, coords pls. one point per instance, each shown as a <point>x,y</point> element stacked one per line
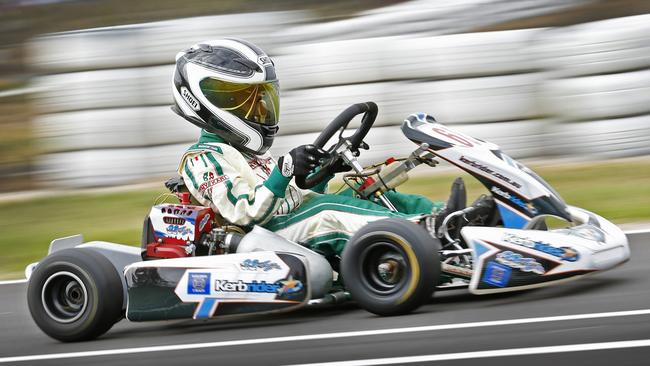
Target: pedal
<point>457,201</point>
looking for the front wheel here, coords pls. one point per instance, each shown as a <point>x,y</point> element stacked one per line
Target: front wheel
<point>391,266</point>
<point>75,295</point>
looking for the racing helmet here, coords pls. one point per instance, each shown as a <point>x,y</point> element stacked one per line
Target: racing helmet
<point>229,87</point>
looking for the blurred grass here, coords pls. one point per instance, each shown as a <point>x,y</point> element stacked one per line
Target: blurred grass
<point>618,190</point>
<point>28,227</point>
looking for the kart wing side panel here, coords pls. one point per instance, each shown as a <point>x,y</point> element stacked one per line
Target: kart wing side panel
<point>216,286</point>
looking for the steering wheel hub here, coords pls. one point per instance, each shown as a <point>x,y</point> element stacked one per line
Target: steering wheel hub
<point>339,124</point>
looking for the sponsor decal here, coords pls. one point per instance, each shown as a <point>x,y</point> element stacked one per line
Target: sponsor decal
<point>241,286</point>
<point>455,136</point>
<point>204,221</point>
<point>179,230</point>
<point>496,274</point>
<point>284,287</point>
<point>208,176</point>
<point>527,206</point>
<point>565,253</point>
<point>489,171</point>
<point>210,287</point>
<point>198,283</point>
<point>210,147</point>
<point>209,183</point>
<point>518,261</point>
<point>261,163</point>
<point>256,264</point>
<point>189,98</point>
<point>264,60</point>
<point>290,286</point>
<point>287,166</point>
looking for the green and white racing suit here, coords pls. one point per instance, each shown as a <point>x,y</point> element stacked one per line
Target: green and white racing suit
<point>249,190</point>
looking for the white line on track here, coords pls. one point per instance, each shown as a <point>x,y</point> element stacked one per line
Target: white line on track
<point>486,354</point>
<point>311,337</point>
<point>12,282</point>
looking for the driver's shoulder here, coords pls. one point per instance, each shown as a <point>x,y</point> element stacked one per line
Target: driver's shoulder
<point>203,147</point>
<point>215,152</point>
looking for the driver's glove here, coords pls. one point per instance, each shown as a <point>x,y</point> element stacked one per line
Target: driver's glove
<point>301,160</point>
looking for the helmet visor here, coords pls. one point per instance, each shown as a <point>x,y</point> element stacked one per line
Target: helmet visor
<point>257,103</point>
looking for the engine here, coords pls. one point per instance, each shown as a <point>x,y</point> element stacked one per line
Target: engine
<point>177,230</point>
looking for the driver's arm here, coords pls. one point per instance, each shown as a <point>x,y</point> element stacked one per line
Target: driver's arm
<point>214,182</point>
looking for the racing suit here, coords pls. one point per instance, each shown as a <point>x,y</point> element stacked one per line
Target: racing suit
<point>249,190</point>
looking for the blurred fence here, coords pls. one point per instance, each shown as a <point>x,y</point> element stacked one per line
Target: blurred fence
<point>579,91</point>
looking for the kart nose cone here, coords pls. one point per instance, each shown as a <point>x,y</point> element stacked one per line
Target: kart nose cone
<point>606,241</point>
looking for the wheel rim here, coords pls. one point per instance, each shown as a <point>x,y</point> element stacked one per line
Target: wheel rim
<point>384,268</point>
<point>64,297</point>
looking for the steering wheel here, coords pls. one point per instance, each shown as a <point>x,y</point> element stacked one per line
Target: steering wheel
<point>339,124</point>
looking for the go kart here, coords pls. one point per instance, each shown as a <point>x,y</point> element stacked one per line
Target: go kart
<point>193,265</point>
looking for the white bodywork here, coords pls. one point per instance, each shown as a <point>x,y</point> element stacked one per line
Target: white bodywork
<point>522,254</point>
<point>256,277</point>
<point>573,252</point>
<point>476,157</point>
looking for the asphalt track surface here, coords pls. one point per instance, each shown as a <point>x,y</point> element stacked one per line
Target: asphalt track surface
<point>591,324</point>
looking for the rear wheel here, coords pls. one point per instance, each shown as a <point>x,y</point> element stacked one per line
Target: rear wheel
<point>75,295</point>
<point>391,267</point>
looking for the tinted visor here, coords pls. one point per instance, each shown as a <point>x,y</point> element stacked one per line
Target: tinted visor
<point>257,103</point>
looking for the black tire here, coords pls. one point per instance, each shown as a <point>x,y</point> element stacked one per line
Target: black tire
<point>75,295</point>
<point>391,267</point>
